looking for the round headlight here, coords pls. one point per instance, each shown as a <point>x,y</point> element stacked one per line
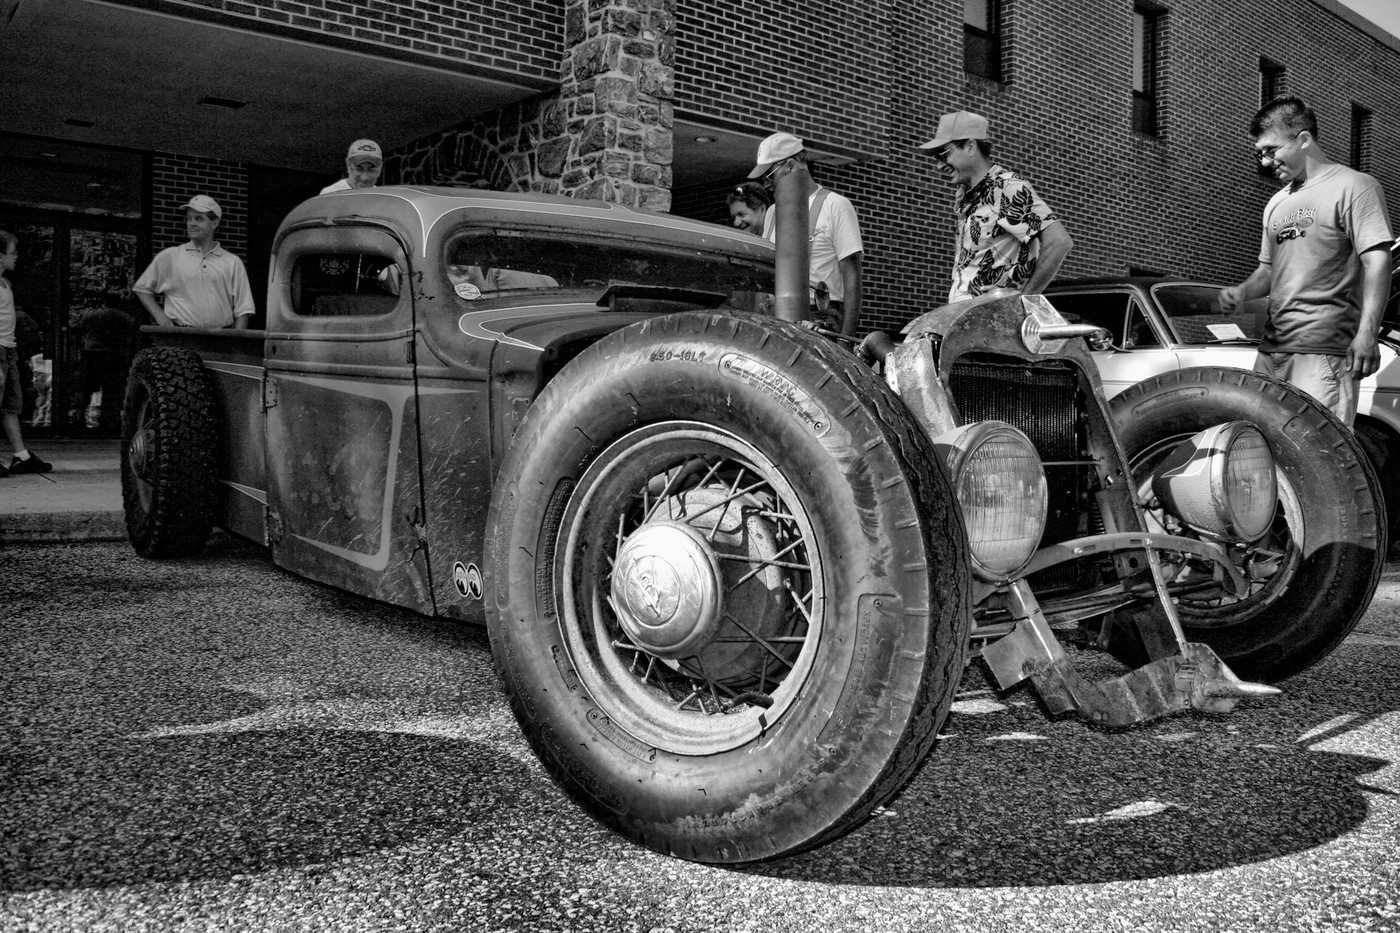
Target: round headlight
<point>1221,482</point>
<point>1000,487</point>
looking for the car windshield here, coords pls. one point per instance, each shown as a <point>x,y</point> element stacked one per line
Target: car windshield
<point>1194,316</point>
<point>482,264</point>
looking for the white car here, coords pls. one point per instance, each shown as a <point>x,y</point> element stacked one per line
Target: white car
<point>1159,325</point>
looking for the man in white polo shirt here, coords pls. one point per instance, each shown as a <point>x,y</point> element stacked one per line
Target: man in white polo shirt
<point>201,283</point>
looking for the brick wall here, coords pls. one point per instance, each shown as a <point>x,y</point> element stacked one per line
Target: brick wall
<point>1186,202</point>
<point>519,36</point>
<point>820,69</point>
<point>177,178</point>
<point>871,80</point>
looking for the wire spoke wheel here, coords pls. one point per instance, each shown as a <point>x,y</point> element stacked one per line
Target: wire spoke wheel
<point>692,583</point>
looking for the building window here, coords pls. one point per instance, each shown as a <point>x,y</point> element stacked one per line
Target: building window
<point>1147,28</point>
<point>982,38</point>
<point>1360,138</point>
<point>1271,85</point>
<point>1271,82</point>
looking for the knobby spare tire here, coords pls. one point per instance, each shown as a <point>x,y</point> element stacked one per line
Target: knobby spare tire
<point>1313,576</point>
<point>169,453</point>
<point>727,586</point>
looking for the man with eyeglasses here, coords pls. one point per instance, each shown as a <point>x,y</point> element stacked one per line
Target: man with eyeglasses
<point>1007,236</point>
<point>835,277</point>
<point>1324,262</point>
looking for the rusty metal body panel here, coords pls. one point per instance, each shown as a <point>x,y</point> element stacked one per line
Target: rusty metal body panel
<point>361,432</point>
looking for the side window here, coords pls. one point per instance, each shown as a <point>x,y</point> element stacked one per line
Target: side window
<point>1139,331</point>
<point>484,265</point>
<point>1104,309</point>
<point>1147,36</point>
<point>344,284</point>
<point>481,264</point>
<point>982,38</point>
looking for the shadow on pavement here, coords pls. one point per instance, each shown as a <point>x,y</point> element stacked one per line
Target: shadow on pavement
<point>1011,798</point>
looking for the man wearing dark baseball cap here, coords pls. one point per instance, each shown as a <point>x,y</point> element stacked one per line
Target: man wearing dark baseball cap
<point>201,283</point>
<point>362,166</point>
<point>835,277</point>
<point>1007,236</point>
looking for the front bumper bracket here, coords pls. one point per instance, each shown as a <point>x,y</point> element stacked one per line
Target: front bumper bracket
<point>1195,678</point>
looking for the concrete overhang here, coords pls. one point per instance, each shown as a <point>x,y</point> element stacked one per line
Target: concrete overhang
<point>150,77</point>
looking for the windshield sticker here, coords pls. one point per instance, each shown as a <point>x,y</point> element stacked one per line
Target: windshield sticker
<point>1227,332</point>
<point>467,290</point>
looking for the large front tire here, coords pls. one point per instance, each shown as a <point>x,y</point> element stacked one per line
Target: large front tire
<point>727,587</point>
<point>168,453</point>
<point>1313,575</point>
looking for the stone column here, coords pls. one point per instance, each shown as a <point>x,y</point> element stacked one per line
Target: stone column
<point>610,138</point>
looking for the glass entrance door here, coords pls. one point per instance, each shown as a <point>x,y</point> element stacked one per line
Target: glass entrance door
<point>101,329</point>
<point>77,211</point>
<point>78,321</point>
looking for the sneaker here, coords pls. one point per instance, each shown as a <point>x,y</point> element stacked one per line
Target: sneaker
<point>32,465</point>
<point>4,471</point>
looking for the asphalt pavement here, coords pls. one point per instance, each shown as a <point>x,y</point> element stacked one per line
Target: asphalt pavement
<point>215,745</point>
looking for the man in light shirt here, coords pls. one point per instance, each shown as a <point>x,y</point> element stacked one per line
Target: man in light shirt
<point>200,283</point>
<point>362,166</point>
<point>837,252</point>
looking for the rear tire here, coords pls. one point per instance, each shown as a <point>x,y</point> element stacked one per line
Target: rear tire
<point>1314,575</point>
<point>1380,452</point>
<point>827,634</point>
<point>168,453</point>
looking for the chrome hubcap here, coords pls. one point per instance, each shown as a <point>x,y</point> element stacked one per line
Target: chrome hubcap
<point>666,589</point>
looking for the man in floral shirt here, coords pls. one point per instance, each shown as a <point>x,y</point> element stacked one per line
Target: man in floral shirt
<point>1007,236</point>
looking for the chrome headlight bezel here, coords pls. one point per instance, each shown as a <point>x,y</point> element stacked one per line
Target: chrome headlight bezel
<point>1220,482</point>
<point>1000,488</point>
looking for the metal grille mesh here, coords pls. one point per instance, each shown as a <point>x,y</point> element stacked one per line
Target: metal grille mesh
<point>1043,400</point>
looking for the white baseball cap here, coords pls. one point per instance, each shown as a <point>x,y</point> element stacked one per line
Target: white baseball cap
<point>775,149</point>
<point>206,205</point>
<point>960,125</point>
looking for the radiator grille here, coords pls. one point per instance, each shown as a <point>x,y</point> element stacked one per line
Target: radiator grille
<point>1043,399</point>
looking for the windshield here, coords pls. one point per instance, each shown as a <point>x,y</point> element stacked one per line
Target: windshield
<point>1193,314</point>
<point>481,265</point>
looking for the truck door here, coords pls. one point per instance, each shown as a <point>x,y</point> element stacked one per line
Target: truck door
<point>344,499</point>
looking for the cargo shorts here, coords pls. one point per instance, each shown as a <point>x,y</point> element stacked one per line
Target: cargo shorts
<point>1324,377</point>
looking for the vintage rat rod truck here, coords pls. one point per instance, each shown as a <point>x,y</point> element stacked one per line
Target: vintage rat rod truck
<point>733,570</point>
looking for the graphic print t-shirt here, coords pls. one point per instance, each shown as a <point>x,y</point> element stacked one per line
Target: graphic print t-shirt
<point>1313,239</point>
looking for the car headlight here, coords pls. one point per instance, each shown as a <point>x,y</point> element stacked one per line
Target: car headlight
<point>1221,482</point>
<point>1000,488</point>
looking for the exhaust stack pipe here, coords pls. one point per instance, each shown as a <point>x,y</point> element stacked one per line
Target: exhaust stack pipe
<point>794,259</point>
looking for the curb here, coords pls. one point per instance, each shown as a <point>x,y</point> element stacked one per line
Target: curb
<point>59,527</point>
